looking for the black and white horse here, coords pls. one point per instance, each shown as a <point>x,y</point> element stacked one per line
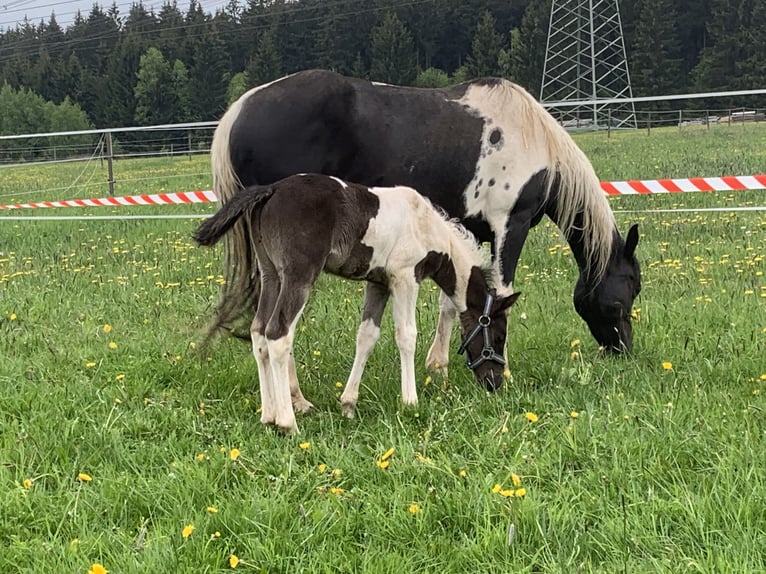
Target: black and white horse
<point>390,237</point>
<point>484,151</point>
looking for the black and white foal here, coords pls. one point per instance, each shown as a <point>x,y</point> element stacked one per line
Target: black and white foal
<point>390,237</point>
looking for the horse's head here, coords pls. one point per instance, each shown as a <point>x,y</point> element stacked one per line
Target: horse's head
<point>483,331</point>
<point>607,306</point>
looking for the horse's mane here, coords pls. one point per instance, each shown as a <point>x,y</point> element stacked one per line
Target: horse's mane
<point>579,189</point>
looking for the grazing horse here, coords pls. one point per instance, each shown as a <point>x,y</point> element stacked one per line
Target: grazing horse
<point>484,151</point>
<point>390,237</point>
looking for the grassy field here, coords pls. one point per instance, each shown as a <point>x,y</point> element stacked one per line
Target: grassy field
<point>122,446</point>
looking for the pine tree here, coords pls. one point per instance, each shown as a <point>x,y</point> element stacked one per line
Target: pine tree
<point>485,50</point>
<point>266,65</point>
<point>393,54</point>
<point>156,101</point>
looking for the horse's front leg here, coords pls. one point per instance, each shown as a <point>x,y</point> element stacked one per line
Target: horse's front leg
<point>438,355</point>
<point>375,298</point>
<point>404,292</point>
<point>300,403</point>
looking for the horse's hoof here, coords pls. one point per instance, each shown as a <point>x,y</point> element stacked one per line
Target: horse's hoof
<point>304,407</point>
<point>287,428</point>
<point>437,367</point>
<point>268,419</point>
<point>348,410</point>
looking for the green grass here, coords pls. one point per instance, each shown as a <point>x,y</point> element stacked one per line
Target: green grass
<point>661,471</point>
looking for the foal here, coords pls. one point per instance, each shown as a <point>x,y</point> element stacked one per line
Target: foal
<point>390,237</point>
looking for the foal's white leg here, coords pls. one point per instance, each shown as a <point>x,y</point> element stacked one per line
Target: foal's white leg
<point>375,298</point>
<point>404,293</point>
<point>438,355</point>
<point>261,352</point>
<point>279,356</point>
<point>300,403</point>
<point>366,337</point>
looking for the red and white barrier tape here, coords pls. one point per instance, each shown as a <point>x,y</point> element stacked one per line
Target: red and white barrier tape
<point>633,187</point>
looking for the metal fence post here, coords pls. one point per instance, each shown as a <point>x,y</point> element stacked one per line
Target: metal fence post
<point>109,163</point>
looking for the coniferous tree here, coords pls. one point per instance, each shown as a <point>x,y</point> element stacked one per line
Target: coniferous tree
<point>485,49</point>
<point>156,102</point>
<point>209,74</point>
<point>393,53</point>
<point>266,64</point>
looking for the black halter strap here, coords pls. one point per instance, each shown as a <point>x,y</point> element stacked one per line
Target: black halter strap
<point>488,352</point>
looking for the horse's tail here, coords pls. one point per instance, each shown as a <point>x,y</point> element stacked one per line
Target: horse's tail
<point>580,194</point>
<point>239,291</point>
<point>214,228</point>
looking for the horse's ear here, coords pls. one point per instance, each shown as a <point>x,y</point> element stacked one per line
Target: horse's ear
<point>631,241</point>
<point>505,302</point>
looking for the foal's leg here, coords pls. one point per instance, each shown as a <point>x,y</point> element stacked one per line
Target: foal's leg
<point>280,333</point>
<point>300,403</point>
<point>404,292</point>
<point>375,298</point>
<point>267,300</point>
<point>438,355</point>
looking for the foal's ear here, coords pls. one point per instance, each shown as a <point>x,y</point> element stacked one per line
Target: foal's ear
<point>631,241</point>
<point>506,302</point>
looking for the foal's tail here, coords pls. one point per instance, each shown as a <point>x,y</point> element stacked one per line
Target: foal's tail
<point>244,201</point>
<point>240,294</point>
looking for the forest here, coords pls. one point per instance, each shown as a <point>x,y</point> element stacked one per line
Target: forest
<point>151,67</point>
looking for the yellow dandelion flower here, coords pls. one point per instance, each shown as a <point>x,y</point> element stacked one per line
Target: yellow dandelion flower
<point>112,345</point>
<point>336,491</point>
<point>322,468</point>
<point>187,531</point>
<point>212,509</point>
<point>107,328</point>
<point>316,353</point>
<point>27,483</point>
<point>763,377</point>
<point>667,365</point>
<point>506,493</point>
<point>413,508</point>
<point>497,488</point>
<point>12,316</point>
<point>304,445</point>
<point>382,464</point>
<point>574,414</point>
<point>462,474</point>
<point>516,479</point>
<point>200,457</point>
<point>574,355</point>
<point>90,364</point>
<point>532,417</point>
<point>233,561</point>
<point>234,454</point>
<point>216,534</point>
<point>337,473</point>
<point>520,492</point>
<point>120,377</point>
<point>84,477</point>
<point>97,569</point>
<point>575,343</point>
<point>338,385</point>
<point>388,454</point>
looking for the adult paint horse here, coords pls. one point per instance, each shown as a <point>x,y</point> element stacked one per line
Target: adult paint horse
<point>484,151</point>
<point>390,237</point>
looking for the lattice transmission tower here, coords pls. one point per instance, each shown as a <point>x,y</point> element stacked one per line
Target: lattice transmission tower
<point>585,61</point>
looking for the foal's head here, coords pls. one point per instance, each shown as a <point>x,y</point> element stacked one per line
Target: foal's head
<point>483,329</point>
<point>607,306</point>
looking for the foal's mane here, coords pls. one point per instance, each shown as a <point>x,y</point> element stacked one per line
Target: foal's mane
<point>579,189</point>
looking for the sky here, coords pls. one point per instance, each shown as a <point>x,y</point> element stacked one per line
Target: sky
<point>12,12</point>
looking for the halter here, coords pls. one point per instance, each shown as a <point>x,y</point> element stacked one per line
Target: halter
<point>488,352</point>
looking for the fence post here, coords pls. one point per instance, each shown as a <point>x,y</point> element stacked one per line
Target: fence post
<point>109,162</point>
<point>609,123</point>
<point>190,143</point>
<point>649,123</point>
<point>680,119</point>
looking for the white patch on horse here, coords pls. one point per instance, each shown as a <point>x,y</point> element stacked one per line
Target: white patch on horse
<point>342,183</point>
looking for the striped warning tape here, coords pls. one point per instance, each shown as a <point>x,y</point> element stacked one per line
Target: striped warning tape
<point>631,187</point>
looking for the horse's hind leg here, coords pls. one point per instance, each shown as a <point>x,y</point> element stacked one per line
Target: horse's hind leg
<point>438,355</point>
<point>404,292</point>
<point>375,298</point>
<point>300,403</point>
<point>280,333</point>
<point>266,303</point>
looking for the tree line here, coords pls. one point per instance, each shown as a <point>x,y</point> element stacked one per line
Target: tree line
<point>170,66</point>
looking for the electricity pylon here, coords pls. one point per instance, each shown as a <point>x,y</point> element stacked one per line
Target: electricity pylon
<point>585,61</point>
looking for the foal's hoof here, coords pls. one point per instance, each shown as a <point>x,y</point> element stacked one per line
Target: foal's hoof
<point>437,367</point>
<point>303,406</point>
<point>287,428</point>
<point>348,410</point>
<point>267,419</point>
